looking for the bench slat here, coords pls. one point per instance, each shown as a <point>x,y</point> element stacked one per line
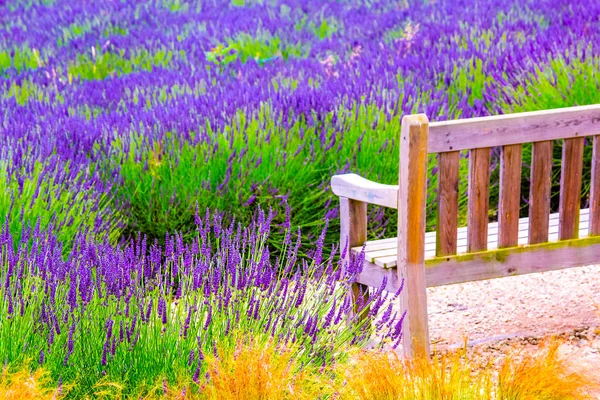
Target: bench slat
<point>570,188</point>
<point>539,191</point>
<point>447,215</point>
<point>595,189</point>
<point>383,252</point>
<point>502,130</point>
<point>510,195</point>
<point>430,237</point>
<point>479,193</point>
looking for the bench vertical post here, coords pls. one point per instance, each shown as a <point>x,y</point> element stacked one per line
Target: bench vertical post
<point>570,188</point>
<point>540,191</point>
<point>412,199</point>
<point>594,227</point>
<point>353,229</point>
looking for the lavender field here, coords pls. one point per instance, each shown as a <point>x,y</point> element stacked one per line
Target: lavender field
<point>165,165</point>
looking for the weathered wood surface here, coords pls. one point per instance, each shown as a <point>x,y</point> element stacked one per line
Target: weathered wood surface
<point>502,130</point>
<point>570,188</point>
<point>358,188</point>
<point>412,199</point>
<point>384,252</point>
<point>478,199</point>
<point>353,232</point>
<point>496,263</point>
<point>447,202</point>
<point>595,189</point>
<point>510,195</point>
<point>539,191</point>
<point>513,261</point>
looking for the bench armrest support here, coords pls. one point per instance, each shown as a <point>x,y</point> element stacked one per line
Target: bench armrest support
<point>358,188</point>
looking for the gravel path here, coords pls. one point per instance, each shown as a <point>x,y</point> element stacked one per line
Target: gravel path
<point>534,305</point>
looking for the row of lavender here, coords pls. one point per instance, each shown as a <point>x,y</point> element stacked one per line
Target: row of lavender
<point>141,312</point>
<point>168,104</point>
<point>119,120</point>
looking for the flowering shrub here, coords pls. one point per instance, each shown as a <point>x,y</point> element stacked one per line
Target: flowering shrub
<point>141,313</point>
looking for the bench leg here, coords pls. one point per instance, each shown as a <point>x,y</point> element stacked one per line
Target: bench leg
<point>359,296</point>
<point>412,206</point>
<point>353,232</point>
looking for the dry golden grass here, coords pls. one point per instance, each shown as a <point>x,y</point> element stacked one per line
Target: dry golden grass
<point>257,370</point>
<point>375,375</point>
<point>449,376</point>
<point>22,384</point>
<point>544,376</point>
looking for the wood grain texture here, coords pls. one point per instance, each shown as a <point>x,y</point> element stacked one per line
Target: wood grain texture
<point>412,199</point>
<point>513,261</point>
<point>384,252</point>
<point>447,202</point>
<point>501,130</point>
<point>595,189</point>
<point>539,191</point>
<point>496,263</point>
<point>570,188</point>
<point>358,188</point>
<point>353,232</point>
<point>509,203</point>
<point>478,199</point>
<point>372,275</point>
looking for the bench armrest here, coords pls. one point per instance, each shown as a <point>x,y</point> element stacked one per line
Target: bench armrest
<point>358,188</point>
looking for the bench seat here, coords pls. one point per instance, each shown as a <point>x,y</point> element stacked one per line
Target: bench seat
<point>383,253</point>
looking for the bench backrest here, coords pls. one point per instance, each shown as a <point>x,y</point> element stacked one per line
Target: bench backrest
<point>478,136</point>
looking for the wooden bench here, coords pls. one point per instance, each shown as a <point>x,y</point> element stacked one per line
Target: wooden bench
<point>481,250</point>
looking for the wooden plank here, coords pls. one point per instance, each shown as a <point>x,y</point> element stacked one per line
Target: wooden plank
<point>495,263</point>
<point>430,237</point>
<point>358,188</point>
<point>478,197</point>
<point>412,198</point>
<point>539,191</point>
<point>595,189</point>
<point>447,202</point>
<point>353,232</point>
<point>570,188</point>
<point>385,254</point>
<point>502,130</point>
<point>509,203</point>
<point>513,261</point>
<point>372,275</point>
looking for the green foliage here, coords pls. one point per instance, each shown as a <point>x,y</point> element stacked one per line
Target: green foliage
<point>326,28</point>
<point>41,198</point>
<point>25,92</point>
<point>74,31</point>
<point>262,47</point>
<point>559,83</point>
<point>468,79</point>
<point>101,65</point>
<point>291,167</point>
<point>158,347</point>
<point>23,59</point>
<point>175,5</point>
